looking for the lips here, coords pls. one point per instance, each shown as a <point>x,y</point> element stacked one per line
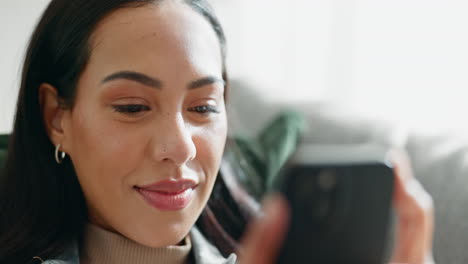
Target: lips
<point>168,195</point>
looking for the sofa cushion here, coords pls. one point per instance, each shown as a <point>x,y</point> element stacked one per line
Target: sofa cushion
<point>440,162</point>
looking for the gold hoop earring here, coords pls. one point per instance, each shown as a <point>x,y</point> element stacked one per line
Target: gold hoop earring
<point>39,258</point>
<point>59,155</point>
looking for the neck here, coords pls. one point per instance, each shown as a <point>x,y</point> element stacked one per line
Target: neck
<point>105,247</point>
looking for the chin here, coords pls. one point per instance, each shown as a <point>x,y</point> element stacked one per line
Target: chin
<point>160,229</point>
<point>163,237</point>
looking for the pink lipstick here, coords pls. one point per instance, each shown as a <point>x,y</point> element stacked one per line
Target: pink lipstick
<point>168,195</point>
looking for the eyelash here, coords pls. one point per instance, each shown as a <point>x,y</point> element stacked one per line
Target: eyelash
<point>133,109</point>
<point>204,109</point>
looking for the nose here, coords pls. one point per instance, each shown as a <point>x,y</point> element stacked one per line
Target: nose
<point>173,141</point>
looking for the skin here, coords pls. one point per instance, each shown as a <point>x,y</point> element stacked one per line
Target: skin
<point>113,150</point>
<point>167,138</point>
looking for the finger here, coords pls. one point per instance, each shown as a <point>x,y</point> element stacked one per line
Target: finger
<point>263,238</point>
<point>415,212</point>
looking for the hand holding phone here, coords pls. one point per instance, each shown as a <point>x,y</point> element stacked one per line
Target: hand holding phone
<point>340,201</point>
<point>265,237</point>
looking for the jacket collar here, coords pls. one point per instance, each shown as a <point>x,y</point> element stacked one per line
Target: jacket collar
<point>203,250</point>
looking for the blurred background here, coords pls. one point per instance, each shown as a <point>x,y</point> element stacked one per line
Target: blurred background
<point>400,60</point>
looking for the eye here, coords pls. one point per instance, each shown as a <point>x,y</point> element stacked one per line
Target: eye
<point>204,109</point>
<point>131,109</point>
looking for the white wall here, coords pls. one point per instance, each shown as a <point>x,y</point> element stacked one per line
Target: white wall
<point>402,60</point>
<point>284,48</point>
<point>17,19</point>
<point>410,61</point>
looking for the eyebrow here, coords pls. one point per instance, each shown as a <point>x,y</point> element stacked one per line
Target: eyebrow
<point>205,81</point>
<point>155,83</point>
<point>134,76</point>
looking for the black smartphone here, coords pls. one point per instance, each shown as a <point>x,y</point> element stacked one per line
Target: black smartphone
<point>341,205</point>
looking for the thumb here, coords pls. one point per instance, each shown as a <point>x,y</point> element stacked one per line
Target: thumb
<point>263,239</point>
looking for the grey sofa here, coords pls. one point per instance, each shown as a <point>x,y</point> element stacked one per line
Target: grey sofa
<point>440,162</point>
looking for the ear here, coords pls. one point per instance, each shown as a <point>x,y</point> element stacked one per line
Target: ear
<point>53,113</point>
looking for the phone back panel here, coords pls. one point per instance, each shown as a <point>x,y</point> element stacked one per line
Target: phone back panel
<point>339,213</point>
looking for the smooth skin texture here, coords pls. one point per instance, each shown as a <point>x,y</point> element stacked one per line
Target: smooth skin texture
<point>149,107</point>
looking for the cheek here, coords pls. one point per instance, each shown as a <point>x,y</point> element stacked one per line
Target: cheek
<point>210,147</point>
<point>103,152</point>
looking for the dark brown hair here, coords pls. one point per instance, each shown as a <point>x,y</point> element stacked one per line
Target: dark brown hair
<point>41,203</point>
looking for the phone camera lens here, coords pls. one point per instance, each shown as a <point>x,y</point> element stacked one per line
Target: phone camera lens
<point>326,180</point>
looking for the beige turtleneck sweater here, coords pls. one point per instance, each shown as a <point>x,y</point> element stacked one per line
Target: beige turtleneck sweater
<point>104,247</point>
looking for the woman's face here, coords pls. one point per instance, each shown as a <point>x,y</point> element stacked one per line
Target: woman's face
<point>148,128</point>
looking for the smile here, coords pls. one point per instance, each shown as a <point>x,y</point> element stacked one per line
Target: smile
<point>168,195</point>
